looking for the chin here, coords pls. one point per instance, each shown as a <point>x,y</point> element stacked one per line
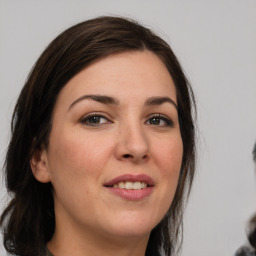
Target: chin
<point>132,233</point>
<point>133,227</point>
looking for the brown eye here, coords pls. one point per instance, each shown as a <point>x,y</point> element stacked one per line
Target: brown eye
<point>155,121</point>
<point>159,120</point>
<point>94,120</point>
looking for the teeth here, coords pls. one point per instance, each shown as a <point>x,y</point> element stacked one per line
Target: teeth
<point>130,185</point>
<point>137,185</point>
<point>121,185</point>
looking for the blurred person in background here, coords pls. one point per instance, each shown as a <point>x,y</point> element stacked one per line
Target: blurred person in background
<point>250,248</point>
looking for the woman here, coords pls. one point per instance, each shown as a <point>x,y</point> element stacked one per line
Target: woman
<point>102,154</point>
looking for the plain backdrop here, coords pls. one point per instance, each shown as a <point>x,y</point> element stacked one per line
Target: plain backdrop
<point>215,42</point>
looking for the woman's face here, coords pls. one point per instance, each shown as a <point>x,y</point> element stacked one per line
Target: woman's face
<point>115,147</point>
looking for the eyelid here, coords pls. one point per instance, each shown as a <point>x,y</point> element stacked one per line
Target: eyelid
<point>85,117</point>
<point>169,121</point>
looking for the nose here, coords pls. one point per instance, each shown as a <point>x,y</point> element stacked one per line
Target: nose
<point>133,144</point>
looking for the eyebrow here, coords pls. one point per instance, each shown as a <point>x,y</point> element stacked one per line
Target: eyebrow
<point>112,101</point>
<point>99,98</point>
<point>160,100</point>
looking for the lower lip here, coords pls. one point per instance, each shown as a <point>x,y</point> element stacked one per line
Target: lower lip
<point>131,194</point>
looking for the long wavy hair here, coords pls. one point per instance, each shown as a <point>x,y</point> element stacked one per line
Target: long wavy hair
<point>28,221</point>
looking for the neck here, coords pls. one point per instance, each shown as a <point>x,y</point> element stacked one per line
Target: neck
<point>79,241</point>
<point>100,247</point>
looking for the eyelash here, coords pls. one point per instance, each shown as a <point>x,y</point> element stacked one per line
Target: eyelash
<point>87,118</point>
<point>97,117</point>
<point>159,117</point>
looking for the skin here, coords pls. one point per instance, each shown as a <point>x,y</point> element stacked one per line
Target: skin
<point>85,153</point>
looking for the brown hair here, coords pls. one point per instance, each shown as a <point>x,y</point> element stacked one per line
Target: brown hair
<point>28,221</point>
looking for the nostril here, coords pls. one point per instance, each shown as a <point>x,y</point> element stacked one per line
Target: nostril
<point>131,156</point>
<point>127,156</point>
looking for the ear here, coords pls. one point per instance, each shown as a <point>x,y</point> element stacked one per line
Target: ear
<point>39,166</point>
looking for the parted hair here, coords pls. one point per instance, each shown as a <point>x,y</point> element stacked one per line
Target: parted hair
<point>28,221</point>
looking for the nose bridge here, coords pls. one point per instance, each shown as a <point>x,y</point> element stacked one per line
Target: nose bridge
<point>133,141</point>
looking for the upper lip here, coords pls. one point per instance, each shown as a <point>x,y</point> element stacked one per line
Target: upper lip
<point>132,178</point>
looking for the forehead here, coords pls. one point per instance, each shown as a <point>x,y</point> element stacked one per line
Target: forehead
<point>139,73</point>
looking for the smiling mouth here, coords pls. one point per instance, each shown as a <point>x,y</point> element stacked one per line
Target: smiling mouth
<point>131,182</point>
<point>130,185</point>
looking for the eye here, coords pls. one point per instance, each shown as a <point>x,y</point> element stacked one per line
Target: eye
<point>94,120</point>
<point>159,120</point>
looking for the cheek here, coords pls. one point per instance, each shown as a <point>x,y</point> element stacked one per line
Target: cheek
<point>77,155</point>
<point>76,163</point>
<point>168,155</point>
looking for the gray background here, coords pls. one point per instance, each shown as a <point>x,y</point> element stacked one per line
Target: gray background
<point>215,42</point>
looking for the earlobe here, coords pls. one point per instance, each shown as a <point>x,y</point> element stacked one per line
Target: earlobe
<point>39,166</point>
